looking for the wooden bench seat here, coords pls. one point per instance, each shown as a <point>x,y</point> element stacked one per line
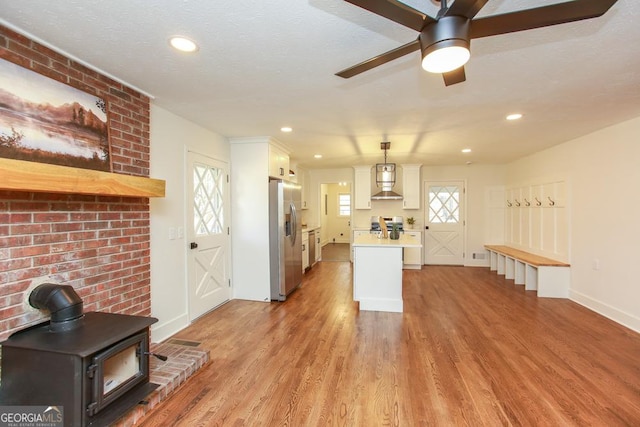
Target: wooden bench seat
<point>550,278</point>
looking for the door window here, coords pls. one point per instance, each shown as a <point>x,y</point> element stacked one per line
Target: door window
<point>444,204</point>
<point>208,200</point>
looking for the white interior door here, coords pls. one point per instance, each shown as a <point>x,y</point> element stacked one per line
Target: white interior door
<point>208,213</point>
<point>444,220</point>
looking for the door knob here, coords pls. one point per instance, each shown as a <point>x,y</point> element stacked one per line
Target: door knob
<point>193,245</point>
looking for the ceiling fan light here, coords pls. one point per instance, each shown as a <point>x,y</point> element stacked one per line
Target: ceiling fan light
<point>445,56</point>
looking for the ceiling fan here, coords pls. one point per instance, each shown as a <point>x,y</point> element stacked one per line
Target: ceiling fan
<point>444,40</point>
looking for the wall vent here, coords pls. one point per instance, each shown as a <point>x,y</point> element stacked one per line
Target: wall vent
<point>478,255</point>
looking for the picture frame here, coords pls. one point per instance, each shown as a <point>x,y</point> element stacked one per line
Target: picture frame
<point>44,120</point>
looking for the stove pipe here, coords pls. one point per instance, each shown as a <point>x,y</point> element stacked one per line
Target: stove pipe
<point>62,302</point>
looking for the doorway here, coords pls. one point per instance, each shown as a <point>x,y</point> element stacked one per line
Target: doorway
<point>335,213</point>
<point>208,267</point>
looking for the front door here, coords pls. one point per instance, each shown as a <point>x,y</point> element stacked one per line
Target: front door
<point>208,213</point>
<point>444,220</point>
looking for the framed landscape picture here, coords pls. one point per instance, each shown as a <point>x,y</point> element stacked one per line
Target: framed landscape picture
<point>43,120</point>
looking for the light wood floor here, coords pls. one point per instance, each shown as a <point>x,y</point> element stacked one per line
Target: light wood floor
<point>470,349</point>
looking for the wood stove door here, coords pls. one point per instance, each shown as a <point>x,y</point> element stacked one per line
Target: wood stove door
<point>117,370</point>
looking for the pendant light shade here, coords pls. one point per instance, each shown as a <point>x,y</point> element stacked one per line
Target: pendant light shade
<point>386,177</point>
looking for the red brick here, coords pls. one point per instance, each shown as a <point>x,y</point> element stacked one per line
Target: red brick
<point>14,264</point>
<point>30,229</point>
<point>50,217</point>
<point>17,218</point>
<point>66,206</point>
<point>41,239</point>
<point>47,71</point>
<point>30,273</point>
<point>27,251</point>
<point>67,226</point>
<point>66,266</point>
<point>15,241</point>
<point>65,247</point>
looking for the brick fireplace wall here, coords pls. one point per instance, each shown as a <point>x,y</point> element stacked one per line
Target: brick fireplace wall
<point>97,244</point>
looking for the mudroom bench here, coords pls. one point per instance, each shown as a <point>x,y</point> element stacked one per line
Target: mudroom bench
<point>550,278</point>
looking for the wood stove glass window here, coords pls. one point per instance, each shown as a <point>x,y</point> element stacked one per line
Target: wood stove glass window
<point>119,369</point>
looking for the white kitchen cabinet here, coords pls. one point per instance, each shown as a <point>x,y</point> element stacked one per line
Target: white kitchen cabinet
<point>362,187</point>
<point>412,257</point>
<point>356,234</point>
<point>411,186</point>
<point>305,250</point>
<point>278,162</point>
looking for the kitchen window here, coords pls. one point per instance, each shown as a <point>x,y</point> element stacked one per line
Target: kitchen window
<point>344,204</point>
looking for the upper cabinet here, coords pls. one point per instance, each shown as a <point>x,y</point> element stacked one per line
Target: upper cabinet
<point>278,162</point>
<point>411,186</point>
<point>362,187</point>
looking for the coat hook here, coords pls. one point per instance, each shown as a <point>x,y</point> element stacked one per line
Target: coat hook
<point>517,202</point>
<point>551,202</point>
<point>538,202</point>
<point>509,203</point>
<point>526,202</point>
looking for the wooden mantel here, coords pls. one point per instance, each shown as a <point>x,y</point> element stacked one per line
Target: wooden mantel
<point>18,175</point>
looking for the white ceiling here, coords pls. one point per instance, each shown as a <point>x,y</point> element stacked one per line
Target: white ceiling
<point>267,64</point>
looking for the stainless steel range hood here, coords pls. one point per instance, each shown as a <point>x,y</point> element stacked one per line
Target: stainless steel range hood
<point>386,195</point>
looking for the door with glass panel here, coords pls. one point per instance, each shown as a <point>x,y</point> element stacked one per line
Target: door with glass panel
<point>208,244</point>
<point>444,221</point>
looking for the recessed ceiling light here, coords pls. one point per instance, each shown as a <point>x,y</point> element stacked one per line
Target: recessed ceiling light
<point>317,156</point>
<point>286,129</point>
<point>514,116</point>
<point>183,44</point>
<point>466,150</point>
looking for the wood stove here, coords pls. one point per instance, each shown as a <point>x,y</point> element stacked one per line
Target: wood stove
<point>95,366</point>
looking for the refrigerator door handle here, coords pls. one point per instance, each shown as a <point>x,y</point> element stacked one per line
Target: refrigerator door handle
<point>294,224</point>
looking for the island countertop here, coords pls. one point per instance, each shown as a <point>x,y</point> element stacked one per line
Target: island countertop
<point>372,240</point>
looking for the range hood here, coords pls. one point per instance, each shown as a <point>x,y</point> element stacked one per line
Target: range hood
<point>386,195</point>
<point>386,177</point>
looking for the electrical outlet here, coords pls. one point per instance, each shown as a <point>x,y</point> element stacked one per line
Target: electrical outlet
<point>172,233</point>
<point>596,264</point>
<point>180,233</point>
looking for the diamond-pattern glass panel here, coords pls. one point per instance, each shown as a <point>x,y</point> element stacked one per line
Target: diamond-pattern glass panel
<point>444,204</point>
<point>207,200</point>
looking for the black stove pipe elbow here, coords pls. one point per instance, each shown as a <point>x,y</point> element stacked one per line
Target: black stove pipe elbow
<point>62,301</point>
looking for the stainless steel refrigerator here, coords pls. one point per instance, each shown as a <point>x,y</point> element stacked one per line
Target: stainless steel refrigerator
<point>285,238</point>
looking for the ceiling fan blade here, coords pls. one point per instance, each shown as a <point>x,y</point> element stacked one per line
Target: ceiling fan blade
<point>466,8</point>
<point>454,77</point>
<point>395,11</point>
<point>379,60</point>
<point>544,16</point>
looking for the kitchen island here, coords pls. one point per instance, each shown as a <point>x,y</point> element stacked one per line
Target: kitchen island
<point>377,271</point>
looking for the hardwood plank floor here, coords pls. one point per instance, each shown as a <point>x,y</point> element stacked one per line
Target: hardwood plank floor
<point>470,349</point>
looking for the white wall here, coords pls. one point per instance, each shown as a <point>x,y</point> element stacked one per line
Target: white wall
<point>603,169</point>
<point>171,137</point>
<point>484,222</point>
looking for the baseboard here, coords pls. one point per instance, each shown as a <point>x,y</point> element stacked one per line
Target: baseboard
<point>162,331</point>
<point>625,319</point>
<point>345,240</point>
